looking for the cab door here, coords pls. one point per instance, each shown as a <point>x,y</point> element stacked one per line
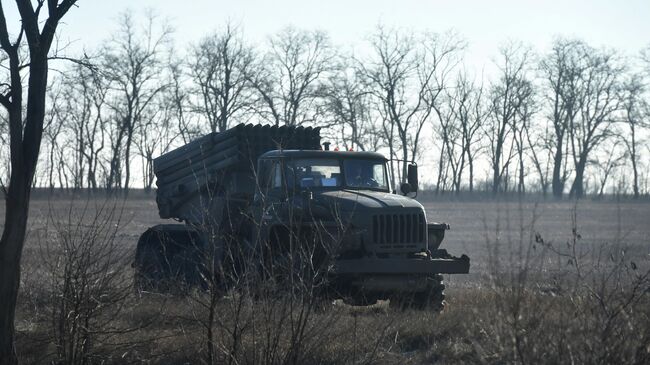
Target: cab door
<point>270,198</point>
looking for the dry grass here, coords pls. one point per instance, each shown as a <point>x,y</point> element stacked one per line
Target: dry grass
<point>525,301</point>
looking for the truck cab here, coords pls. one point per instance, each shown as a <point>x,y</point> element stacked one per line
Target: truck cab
<point>375,238</point>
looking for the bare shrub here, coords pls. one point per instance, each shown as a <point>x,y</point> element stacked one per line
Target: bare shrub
<point>88,281</point>
<point>571,302</point>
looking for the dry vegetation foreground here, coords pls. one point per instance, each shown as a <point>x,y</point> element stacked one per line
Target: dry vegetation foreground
<point>550,282</point>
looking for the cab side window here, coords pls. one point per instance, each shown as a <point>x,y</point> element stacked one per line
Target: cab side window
<point>276,176</point>
<point>270,181</point>
<point>264,171</point>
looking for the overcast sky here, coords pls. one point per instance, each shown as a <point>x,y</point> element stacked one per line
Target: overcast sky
<point>483,23</point>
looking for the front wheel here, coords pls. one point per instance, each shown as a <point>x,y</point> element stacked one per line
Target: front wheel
<point>432,298</point>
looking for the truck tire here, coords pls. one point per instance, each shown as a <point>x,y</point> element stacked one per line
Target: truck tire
<point>167,259</point>
<point>149,272</point>
<point>284,265</point>
<point>433,298</point>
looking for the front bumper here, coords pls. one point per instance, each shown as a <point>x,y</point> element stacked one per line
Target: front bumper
<point>402,266</point>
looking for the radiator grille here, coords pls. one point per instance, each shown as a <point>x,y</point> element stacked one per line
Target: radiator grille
<point>398,229</point>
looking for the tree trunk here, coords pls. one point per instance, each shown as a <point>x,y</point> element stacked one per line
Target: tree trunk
<point>635,169</point>
<point>51,169</point>
<point>520,186</point>
<point>636,179</point>
<point>577,188</point>
<point>460,168</point>
<point>11,244</point>
<point>405,156</point>
<point>25,142</point>
<point>441,166</point>
<point>470,161</point>
<point>114,174</point>
<point>92,181</point>
<point>149,172</point>
<point>558,184</point>
<point>127,161</point>
<point>80,161</point>
<point>24,156</point>
<point>496,173</point>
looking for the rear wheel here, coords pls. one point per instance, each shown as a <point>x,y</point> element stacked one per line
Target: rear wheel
<point>149,270</point>
<point>168,258</point>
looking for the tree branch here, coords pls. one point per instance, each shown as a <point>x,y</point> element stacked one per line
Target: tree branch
<point>77,61</point>
<point>4,33</point>
<point>30,21</point>
<point>4,101</point>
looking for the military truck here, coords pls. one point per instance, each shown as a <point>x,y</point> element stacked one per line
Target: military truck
<point>265,192</point>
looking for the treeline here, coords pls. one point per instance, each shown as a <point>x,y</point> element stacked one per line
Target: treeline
<point>570,120</point>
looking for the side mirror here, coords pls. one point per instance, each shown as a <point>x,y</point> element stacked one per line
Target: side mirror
<point>405,188</point>
<point>412,177</point>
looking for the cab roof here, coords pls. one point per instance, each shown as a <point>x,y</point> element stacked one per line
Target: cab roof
<point>322,154</point>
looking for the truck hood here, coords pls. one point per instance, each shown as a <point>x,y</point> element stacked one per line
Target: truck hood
<point>351,200</point>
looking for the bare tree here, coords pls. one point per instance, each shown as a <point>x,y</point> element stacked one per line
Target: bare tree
<point>134,65</point>
<point>288,78</point>
<point>219,65</point>
<point>645,58</point>
<point>407,82</point>
<point>177,97</point>
<point>25,134</point>
<point>598,103</point>
<point>607,163</point>
<point>95,128</point>
<point>448,133</point>
<point>472,119</point>
<point>52,128</point>
<point>466,107</point>
<point>79,114</point>
<point>635,112</point>
<point>390,74</point>
<point>440,55</point>
<point>538,138</point>
<point>349,105</point>
<point>508,94</point>
<point>562,69</point>
<point>155,138</point>
<point>525,114</point>
<point>4,150</point>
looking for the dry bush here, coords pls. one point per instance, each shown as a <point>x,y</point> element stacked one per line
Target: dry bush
<point>569,302</point>
<point>87,284</point>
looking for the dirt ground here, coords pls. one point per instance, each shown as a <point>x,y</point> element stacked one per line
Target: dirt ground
<point>512,320</point>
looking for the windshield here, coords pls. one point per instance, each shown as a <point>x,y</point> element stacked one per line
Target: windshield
<point>315,172</point>
<point>365,174</point>
<point>327,173</point>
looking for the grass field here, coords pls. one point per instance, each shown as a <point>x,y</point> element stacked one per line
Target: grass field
<point>550,282</point>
